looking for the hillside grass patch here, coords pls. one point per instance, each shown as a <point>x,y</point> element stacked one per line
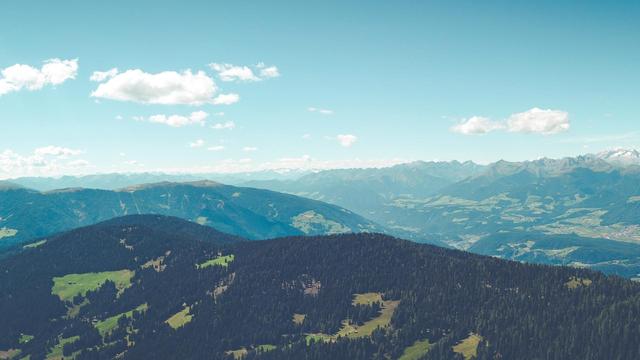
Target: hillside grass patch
<point>222,261</point>
<point>575,282</point>
<point>416,351</point>
<point>180,319</point>
<point>298,319</point>
<point>25,338</point>
<point>68,286</point>
<point>353,331</point>
<point>106,326</point>
<point>468,347</point>
<point>367,298</point>
<point>55,353</point>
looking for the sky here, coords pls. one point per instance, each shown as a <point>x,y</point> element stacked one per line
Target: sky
<point>209,86</point>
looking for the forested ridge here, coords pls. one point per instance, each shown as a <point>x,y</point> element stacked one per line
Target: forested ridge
<point>153,287</point>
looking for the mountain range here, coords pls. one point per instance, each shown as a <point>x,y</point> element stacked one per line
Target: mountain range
<point>251,213</point>
<point>580,211</point>
<point>156,287</point>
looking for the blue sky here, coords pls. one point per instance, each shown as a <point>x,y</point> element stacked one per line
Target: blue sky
<point>389,82</point>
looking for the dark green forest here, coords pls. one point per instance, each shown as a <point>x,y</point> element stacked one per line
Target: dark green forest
<point>153,287</point>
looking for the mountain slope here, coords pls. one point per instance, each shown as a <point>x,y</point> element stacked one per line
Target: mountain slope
<point>579,204</point>
<point>369,191</point>
<point>139,288</point>
<point>255,214</point>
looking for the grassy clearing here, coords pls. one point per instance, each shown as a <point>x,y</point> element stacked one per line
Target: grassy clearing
<point>298,319</point>
<point>414,352</point>
<point>353,331</point>
<point>367,299</point>
<point>68,286</point>
<point>575,282</point>
<point>382,321</point>
<point>180,319</point>
<point>310,222</point>
<point>468,347</point>
<point>25,338</point>
<point>6,232</point>
<point>237,354</point>
<point>35,244</point>
<point>319,337</point>
<point>106,326</point>
<point>223,261</point>
<point>56,352</point>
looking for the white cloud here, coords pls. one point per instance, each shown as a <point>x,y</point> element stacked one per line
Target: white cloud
<point>242,73</point>
<point>249,148</point>
<point>346,140</point>
<point>56,151</point>
<point>101,76</point>
<point>119,117</point>
<point>477,125</point>
<point>43,161</point>
<point>306,136</point>
<point>229,72</point>
<point>196,144</point>
<point>216,148</point>
<point>539,121</point>
<point>320,111</point>
<point>166,88</point>
<point>53,72</point>
<point>269,72</point>
<point>226,99</point>
<point>195,118</point>
<point>228,125</point>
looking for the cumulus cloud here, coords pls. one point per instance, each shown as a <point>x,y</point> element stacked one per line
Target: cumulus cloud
<point>536,121</point>
<point>249,148</point>
<point>43,161</point>
<point>226,99</point>
<point>228,125</point>
<point>229,72</point>
<point>268,72</point>
<point>476,125</point>
<point>346,140</point>
<point>166,88</point>
<point>216,148</point>
<point>101,76</point>
<point>196,144</point>
<point>54,72</point>
<point>242,73</point>
<point>320,111</point>
<point>195,118</point>
<point>539,121</point>
<point>56,151</point>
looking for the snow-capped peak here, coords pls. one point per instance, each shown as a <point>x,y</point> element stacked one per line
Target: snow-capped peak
<point>620,156</point>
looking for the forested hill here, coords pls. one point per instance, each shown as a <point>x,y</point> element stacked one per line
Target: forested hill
<point>251,213</point>
<point>149,287</point>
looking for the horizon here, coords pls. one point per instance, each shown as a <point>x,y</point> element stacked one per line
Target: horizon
<point>255,87</point>
<point>304,171</point>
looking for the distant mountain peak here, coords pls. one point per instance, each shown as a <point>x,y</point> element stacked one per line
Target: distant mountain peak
<point>620,156</point>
